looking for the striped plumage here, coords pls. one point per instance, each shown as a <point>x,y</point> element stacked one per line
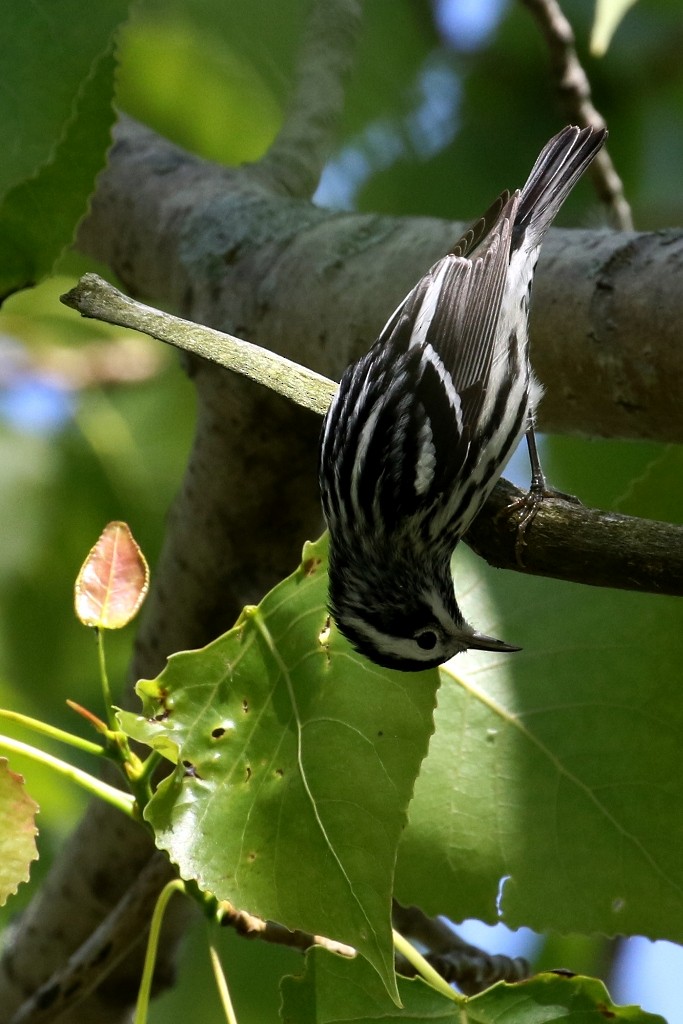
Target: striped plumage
<point>424,423</point>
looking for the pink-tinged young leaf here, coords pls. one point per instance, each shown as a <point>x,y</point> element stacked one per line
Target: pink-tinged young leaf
<point>113,580</point>
<point>17,831</point>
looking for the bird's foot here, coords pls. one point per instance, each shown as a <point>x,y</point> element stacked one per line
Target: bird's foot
<point>526,507</point>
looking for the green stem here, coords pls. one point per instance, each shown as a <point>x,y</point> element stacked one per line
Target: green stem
<point>432,977</point>
<point>123,801</point>
<point>106,689</point>
<point>53,732</point>
<point>152,945</point>
<point>148,767</point>
<point>222,986</point>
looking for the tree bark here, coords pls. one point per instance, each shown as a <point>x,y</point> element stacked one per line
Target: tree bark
<point>222,248</point>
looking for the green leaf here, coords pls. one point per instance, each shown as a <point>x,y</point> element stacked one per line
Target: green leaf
<point>296,763</point>
<point>52,48</point>
<point>38,217</point>
<point>608,16</point>
<point>636,478</point>
<point>55,119</point>
<point>555,773</point>
<point>338,991</point>
<point>169,58</point>
<point>17,831</point>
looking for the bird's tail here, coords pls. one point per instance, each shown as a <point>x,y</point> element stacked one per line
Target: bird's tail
<point>559,166</point>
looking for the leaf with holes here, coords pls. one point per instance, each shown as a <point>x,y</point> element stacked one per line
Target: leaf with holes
<point>296,761</point>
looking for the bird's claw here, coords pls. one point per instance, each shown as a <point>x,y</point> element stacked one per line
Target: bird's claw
<point>527,507</point>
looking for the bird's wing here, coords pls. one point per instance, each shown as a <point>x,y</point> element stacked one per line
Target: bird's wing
<point>453,313</point>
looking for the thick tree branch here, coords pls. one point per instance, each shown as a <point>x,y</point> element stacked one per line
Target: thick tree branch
<point>566,540</point>
<point>318,286</point>
<point>84,921</point>
<point>575,94</point>
<point>294,162</point>
<point>120,931</point>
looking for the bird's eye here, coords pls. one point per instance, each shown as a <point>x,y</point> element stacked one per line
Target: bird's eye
<point>426,640</point>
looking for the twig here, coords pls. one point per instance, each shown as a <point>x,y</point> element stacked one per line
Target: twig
<point>296,158</point>
<point>251,927</point>
<point>118,933</point>
<point>575,92</point>
<point>459,963</point>
<point>94,297</point>
<point>566,540</point>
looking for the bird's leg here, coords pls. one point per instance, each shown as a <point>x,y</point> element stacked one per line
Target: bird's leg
<point>528,505</point>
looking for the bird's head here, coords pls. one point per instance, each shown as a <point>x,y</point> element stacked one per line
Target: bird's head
<point>399,610</point>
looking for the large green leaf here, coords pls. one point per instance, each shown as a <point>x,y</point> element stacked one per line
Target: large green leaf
<point>55,120</point>
<point>38,217</point>
<point>556,773</point>
<point>296,763</point>
<point>51,48</point>
<point>338,991</point>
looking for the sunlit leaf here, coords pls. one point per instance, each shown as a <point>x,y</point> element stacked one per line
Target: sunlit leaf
<point>336,991</point>
<point>296,764</point>
<point>551,795</point>
<point>608,16</point>
<point>113,580</point>
<point>17,831</point>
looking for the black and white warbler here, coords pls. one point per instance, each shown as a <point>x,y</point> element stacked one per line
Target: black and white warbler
<point>423,425</point>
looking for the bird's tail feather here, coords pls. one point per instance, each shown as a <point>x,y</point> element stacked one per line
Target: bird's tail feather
<point>559,166</point>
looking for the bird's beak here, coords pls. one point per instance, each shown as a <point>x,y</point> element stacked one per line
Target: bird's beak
<point>480,642</point>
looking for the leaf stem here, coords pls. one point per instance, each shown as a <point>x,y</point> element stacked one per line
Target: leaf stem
<point>123,801</point>
<point>222,985</point>
<point>427,972</point>
<point>51,730</point>
<point>176,885</point>
<point>144,773</point>
<point>106,689</point>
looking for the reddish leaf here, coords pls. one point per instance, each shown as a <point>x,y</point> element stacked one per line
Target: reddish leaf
<point>113,580</point>
<point>17,831</point>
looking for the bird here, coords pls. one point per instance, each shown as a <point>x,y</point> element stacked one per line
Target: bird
<point>423,424</point>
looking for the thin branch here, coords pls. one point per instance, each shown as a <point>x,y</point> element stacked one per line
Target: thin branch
<point>566,540</point>
<point>118,933</point>
<point>458,962</point>
<point>296,158</point>
<point>575,92</point>
<point>94,297</point>
<point>251,927</point>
